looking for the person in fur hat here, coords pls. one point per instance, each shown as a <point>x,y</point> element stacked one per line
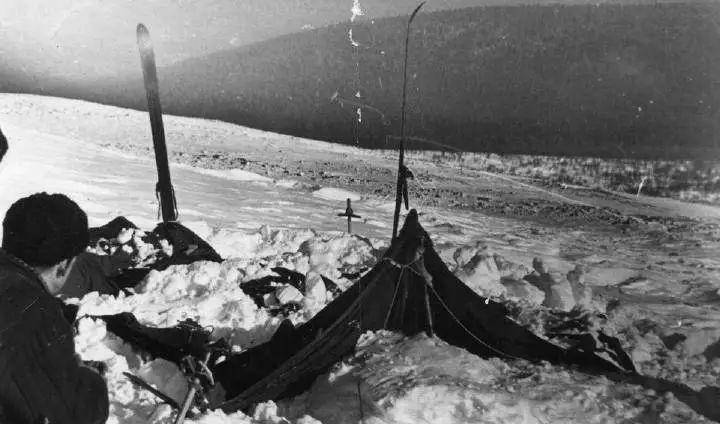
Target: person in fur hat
<point>41,377</point>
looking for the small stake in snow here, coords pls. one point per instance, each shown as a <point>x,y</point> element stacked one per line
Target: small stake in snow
<point>403,173</point>
<point>139,382</point>
<point>350,214</point>
<point>164,189</point>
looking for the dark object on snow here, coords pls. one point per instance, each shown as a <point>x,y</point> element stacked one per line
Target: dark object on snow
<point>288,276</point>
<point>259,287</point>
<point>188,247</point>
<point>164,188</point>
<point>410,290</point>
<point>332,287</point>
<point>575,327</point>
<point>257,362</point>
<point>105,275</point>
<point>3,145</point>
<point>172,344</point>
<point>110,230</point>
<point>350,214</point>
<point>40,376</point>
<point>139,382</point>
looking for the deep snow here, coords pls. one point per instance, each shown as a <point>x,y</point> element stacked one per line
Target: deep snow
<point>654,284</point>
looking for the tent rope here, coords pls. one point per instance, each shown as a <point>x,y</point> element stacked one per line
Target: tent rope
<point>402,266</point>
<point>360,403</point>
<point>445,306</point>
<point>395,295</point>
<point>467,330</point>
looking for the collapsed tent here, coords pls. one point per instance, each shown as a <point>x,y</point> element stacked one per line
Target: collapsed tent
<point>410,291</point>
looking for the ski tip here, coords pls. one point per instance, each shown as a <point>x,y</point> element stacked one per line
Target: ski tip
<point>417,9</point>
<point>143,37</point>
<point>142,32</point>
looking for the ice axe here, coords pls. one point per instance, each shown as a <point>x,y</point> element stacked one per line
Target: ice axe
<point>350,214</point>
<point>196,371</point>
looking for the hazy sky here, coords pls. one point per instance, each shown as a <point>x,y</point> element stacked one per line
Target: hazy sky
<point>68,38</point>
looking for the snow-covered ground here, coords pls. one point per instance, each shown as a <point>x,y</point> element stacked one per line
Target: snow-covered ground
<point>658,284</point>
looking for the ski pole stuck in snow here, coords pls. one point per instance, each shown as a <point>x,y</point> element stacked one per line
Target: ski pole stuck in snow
<point>164,189</point>
<point>350,214</point>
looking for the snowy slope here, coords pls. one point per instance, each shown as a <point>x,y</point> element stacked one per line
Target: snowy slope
<point>107,183</point>
<point>661,284</point>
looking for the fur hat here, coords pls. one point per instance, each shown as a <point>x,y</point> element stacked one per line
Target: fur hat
<point>45,229</point>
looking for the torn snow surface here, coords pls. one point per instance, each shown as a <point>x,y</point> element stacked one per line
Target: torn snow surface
<point>393,379</point>
<point>211,294</point>
<point>401,380</point>
<point>658,287</point>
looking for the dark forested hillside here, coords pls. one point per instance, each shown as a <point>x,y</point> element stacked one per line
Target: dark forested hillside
<point>609,80</point>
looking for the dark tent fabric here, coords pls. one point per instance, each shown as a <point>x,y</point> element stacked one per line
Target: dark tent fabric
<point>188,247</point>
<point>111,229</point>
<point>410,290</point>
<point>172,343</point>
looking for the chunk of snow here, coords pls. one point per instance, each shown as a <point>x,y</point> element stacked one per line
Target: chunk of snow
<point>481,274</point>
<point>557,289</point>
<point>522,290</point>
<point>288,294</point>
<point>125,235</point>
<point>315,287</point>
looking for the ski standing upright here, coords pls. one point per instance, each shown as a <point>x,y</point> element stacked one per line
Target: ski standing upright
<point>403,173</point>
<point>164,189</point>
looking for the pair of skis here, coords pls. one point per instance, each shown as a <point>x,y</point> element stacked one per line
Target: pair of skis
<point>166,193</point>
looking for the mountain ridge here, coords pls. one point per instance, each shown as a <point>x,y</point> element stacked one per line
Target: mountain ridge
<point>521,79</point>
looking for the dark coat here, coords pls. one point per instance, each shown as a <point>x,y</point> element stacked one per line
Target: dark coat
<point>40,375</point>
<point>92,273</point>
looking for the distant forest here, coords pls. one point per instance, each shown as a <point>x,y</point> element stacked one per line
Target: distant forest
<point>609,80</point>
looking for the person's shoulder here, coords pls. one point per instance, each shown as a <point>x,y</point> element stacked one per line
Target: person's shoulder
<point>18,298</point>
<point>21,296</point>
<point>13,273</point>
<point>17,284</point>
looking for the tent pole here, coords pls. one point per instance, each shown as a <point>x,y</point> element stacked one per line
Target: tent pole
<point>430,331</point>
